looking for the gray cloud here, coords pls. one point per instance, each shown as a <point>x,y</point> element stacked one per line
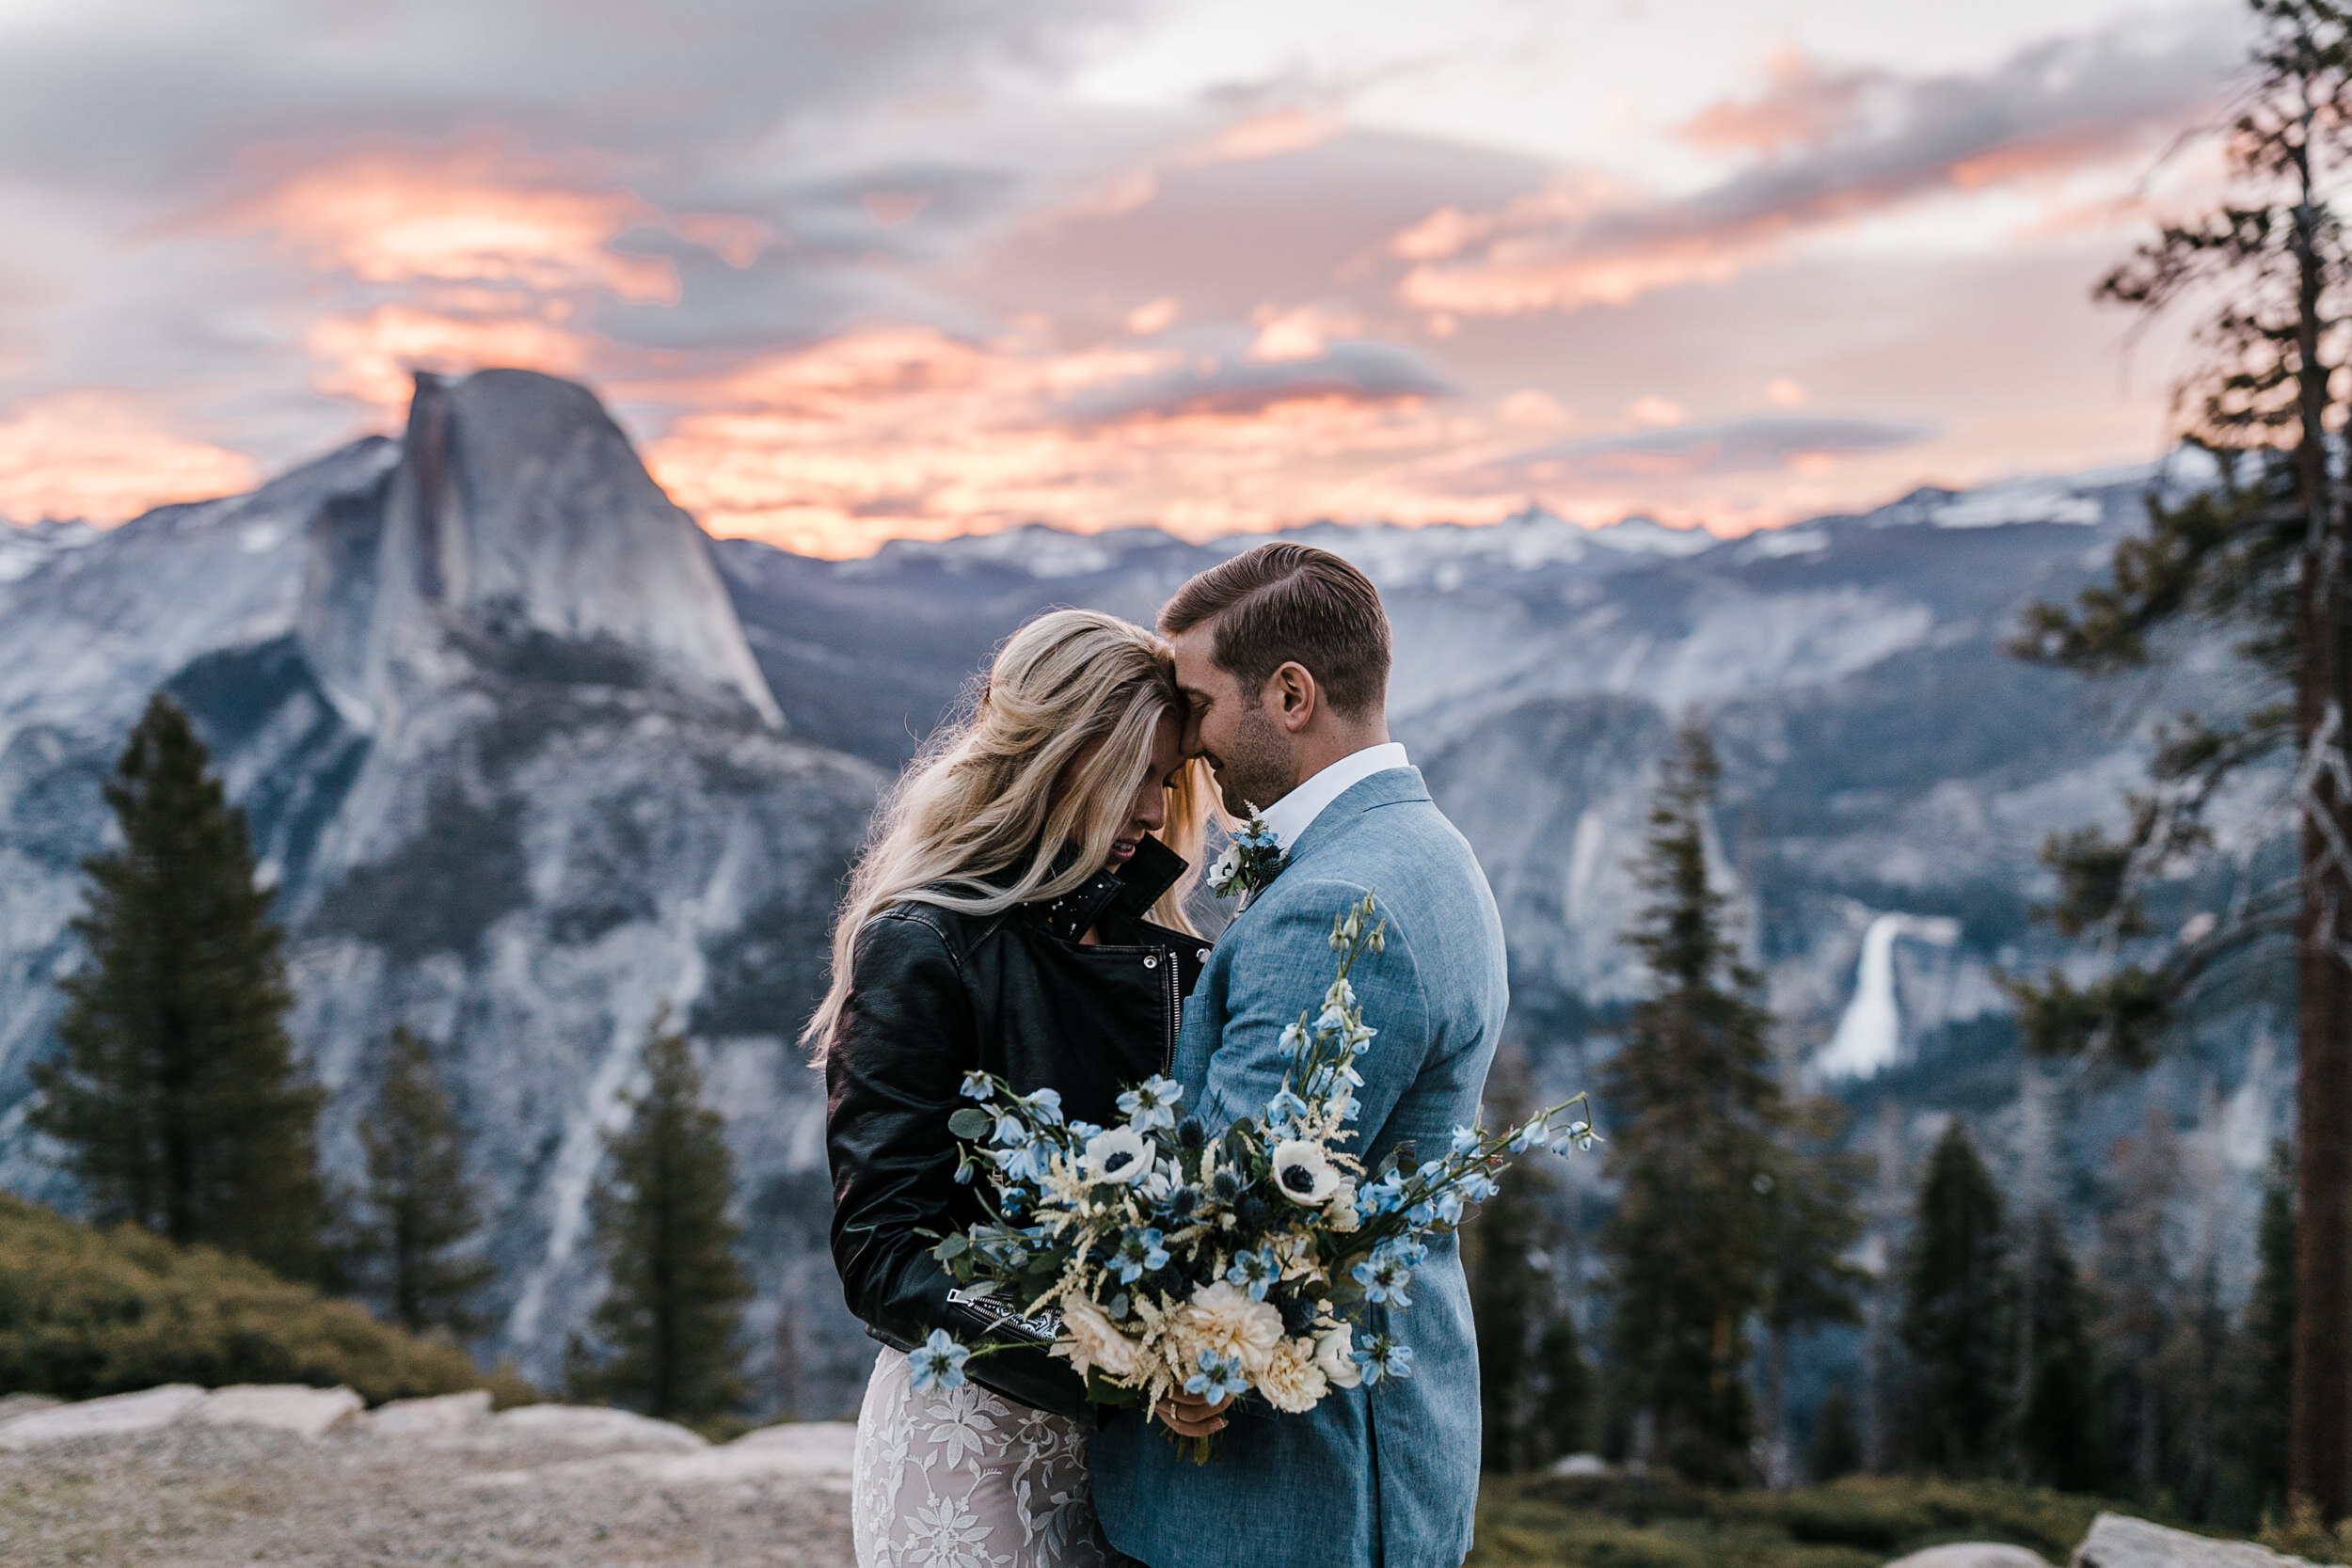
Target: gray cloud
<point>1837,147</point>
<point>1731,446</point>
<point>155,99</point>
<point>2055,101</point>
<point>1359,371</point>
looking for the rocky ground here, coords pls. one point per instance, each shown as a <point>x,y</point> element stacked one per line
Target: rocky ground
<point>302,1476</point>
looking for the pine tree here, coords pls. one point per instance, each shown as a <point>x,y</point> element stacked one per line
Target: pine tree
<point>177,1099</point>
<point>2264,1357</point>
<point>2057,1434</point>
<point>2137,1258</point>
<point>1835,1448</point>
<point>1694,1111</point>
<point>1956,1322</point>
<point>2264,552</point>
<point>672,1317</point>
<point>419,1205</point>
<point>1816,1220</point>
<point>1534,1392</point>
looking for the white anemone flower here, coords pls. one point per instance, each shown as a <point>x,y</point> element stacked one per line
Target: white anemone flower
<point>1335,1352</point>
<point>1122,1155</point>
<point>1304,1173</point>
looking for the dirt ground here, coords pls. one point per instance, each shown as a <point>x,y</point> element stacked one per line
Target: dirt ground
<point>201,1495</point>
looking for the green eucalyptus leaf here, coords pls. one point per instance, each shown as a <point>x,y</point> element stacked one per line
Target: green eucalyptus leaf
<point>971,1124</point>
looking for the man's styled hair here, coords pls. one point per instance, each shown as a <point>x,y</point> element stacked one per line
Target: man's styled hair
<point>1282,602</point>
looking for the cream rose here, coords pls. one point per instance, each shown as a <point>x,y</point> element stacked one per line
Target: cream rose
<point>1292,1380</point>
<point>1223,1319</point>
<point>1090,1340</point>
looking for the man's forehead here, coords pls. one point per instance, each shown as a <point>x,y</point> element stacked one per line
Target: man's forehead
<point>1195,665</point>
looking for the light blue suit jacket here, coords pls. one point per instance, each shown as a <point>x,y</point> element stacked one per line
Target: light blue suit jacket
<point>1385,1477</point>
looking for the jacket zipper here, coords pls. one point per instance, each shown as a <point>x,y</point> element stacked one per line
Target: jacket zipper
<point>1175,1007</point>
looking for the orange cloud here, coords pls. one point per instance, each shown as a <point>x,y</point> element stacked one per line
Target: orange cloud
<point>373,357</point>
<point>893,432</point>
<point>1824,153</point>
<point>475,214</point>
<point>99,453</point>
<point>1800,105</point>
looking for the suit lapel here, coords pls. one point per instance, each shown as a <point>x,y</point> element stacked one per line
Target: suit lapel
<point>1386,787</point>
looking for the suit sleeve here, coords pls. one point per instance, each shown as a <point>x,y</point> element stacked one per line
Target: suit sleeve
<point>1282,964</point>
<point>891,1078</point>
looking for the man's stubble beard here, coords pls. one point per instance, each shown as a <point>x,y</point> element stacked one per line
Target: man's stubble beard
<point>1257,769</point>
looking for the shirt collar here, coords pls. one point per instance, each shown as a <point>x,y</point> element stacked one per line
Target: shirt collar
<point>1294,813</point>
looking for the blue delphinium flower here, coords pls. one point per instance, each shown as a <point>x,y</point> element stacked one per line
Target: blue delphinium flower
<point>937,1363</point>
<point>1383,1196</point>
<point>977,1086</point>
<point>1294,1040</point>
<point>1082,1131</point>
<point>1151,1104</point>
<point>1010,1130</point>
<point>1046,1103</point>
<point>1283,1111</point>
<point>1029,1163</point>
<point>1381,1356</point>
<point>1401,1249</point>
<point>1138,1253</point>
<point>1477,1186</point>
<point>1449,1207</point>
<point>1384,1280</point>
<point>1255,1271</point>
<point>1534,1134</point>
<point>1219,1376</point>
<point>1466,1140</point>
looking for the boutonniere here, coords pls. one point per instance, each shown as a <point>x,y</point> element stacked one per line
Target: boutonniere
<point>1253,859</point>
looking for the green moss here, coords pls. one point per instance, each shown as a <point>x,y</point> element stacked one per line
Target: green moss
<point>1615,1522</point>
<point>85,1312</point>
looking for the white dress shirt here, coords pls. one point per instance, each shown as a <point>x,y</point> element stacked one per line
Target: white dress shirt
<point>1294,813</point>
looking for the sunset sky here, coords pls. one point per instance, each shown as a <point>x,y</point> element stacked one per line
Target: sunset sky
<point>856,269</point>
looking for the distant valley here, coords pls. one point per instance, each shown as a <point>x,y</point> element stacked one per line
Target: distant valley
<point>530,757</point>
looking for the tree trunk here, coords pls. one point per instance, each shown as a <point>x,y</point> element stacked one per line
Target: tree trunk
<point>2320,1441</point>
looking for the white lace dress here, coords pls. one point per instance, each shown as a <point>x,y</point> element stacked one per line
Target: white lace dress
<point>963,1477</point>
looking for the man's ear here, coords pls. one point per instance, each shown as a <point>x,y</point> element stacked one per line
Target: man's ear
<point>1291,695</point>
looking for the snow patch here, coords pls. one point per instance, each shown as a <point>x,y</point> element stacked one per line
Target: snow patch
<point>2024,501</point>
<point>1775,544</point>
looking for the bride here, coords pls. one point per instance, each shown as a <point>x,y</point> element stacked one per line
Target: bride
<point>1015,912</point>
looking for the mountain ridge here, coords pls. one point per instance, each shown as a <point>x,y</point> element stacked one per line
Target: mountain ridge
<point>508,796</point>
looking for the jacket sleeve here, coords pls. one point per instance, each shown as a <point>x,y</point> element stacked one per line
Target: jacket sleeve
<point>891,1077</point>
<point>1282,965</point>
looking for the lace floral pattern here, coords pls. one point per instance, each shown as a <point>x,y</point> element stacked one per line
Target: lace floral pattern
<point>961,1478</point>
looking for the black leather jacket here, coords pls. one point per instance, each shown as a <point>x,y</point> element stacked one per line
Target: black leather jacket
<point>935,994</point>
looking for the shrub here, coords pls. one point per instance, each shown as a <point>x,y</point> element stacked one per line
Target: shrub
<point>85,1312</point>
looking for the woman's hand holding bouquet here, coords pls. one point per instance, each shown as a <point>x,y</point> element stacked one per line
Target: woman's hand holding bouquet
<point>1155,1257</point>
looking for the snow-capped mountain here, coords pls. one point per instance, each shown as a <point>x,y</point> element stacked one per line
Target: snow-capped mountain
<point>504,749</point>
<point>528,757</point>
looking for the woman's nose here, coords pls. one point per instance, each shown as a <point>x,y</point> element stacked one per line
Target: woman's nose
<point>1151,809</point>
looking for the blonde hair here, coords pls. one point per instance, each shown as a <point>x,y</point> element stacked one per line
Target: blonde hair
<point>1053,748</point>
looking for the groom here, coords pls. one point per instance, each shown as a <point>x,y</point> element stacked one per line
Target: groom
<point>1283,651</point>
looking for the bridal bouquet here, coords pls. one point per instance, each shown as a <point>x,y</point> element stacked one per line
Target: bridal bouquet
<point>1155,1257</point>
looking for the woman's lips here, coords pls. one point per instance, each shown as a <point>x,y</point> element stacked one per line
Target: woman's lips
<point>1123,849</point>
